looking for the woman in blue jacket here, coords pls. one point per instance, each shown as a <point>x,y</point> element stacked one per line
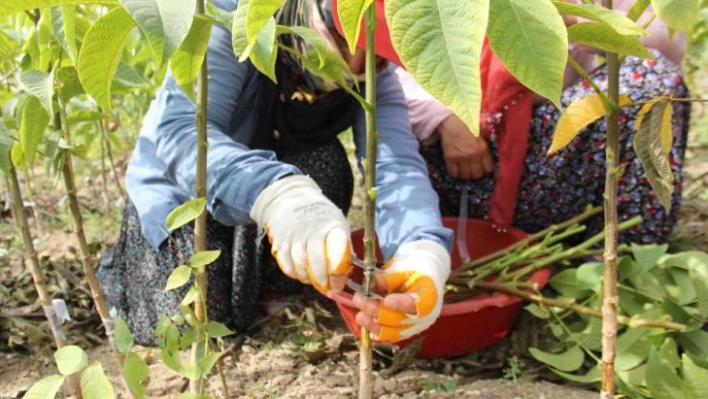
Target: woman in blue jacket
<point>275,165</point>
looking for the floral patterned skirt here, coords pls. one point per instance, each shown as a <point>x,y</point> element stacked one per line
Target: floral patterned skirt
<point>133,275</point>
<point>556,188</point>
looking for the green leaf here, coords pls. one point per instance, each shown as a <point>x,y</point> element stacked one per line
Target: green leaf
<point>694,380</point>
<point>262,52</point>
<point>5,145</point>
<point>188,59</point>
<point>70,359</point>
<point>46,388</point>
<point>632,348</point>
<point>514,29</point>
<point>136,371</point>
<point>440,45</point>
<point>101,52</point>
<point>68,16</point>
<point>579,114</point>
<point>203,258</point>
<point>40,85</point>
<point>171,359</point>
<point>618,22</point>
<point>8,7</point>
<point>165,23</point>
<point>696,344</point>
<point>569,360</point>
<point>566,283</point>
<point>34,122</point>
<point>7,46</point>
<point>179,277</point>
<point>589,276</point>
<point>123,337</point>
<point>663,383</point>
<point>128,76</point>
<point>700,285</point>
<point>351,13</point>
<point>191,296</point>
<point>537,311</point>
<point>258,15</point>
<point>687,292</point>
<point>190,371</point>
<point>590,377</point>
<point>185,213</point>
<point>189,336</point>
<point>239,37</point>
<point>69,83</point>
<point>217,330</point>
<point>207,362</point>
<point>95,384</point>
<point>649,148</point>
<point>680,15</point>
<point>647,255</point>
<point>602,36</point>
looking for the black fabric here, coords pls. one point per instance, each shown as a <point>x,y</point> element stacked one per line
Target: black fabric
<point>284,122</point>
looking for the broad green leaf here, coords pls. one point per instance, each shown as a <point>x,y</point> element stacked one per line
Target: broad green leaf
<point>178,277</point>
<point>618,22</point>
<point>41,85</point>
<point>123,337</point>
<point>136,371</point>
<point>649,148</point>
<point>700,284</point>
<point>165,23</point>
<point>190,371</point>
<point>5,145</point>
<point>68,16</point>
<point>258,15</point>
<point>351,13</point>
<point>589,276</point>
<point>590,377</point>
<point>217,330</point>
<point>263,51</point>
<point>202,258</point>
<point>85,115</point>
<point>680,15</point>
<point>128,76</point>
<point>189,336</point>
<point>70,359</point>
<point>537,311</point>
<point>514,29</point>
<point>185,213</point>
<point>687,292</point>
<point>695,343</point>
<point>34,122</point>
<point>579,114</point>
<point>440,45</point>
<point>638,9</point>
<point>680,314</point>
<point>569,360</point>
<point>666,132</point>
<point>69,83</point>
<point>8,7</point>
<point>64,27</point>
<point>239,37</point>
<point>171,359</point>
<point>7,47</point>
<point>600,35</point>
<point>95,384</point>
<point>101,53</point>
<point>188,59</point>
<point>635,377</point>
<point>566,283</point>
<point>647,255</point>
<point>190,297</point>
<point>694,380</point>
<point>46,388</point>
<point>663,382</point>
<point>632,348</point>
<point>17,157</point>
<point>207,362</point>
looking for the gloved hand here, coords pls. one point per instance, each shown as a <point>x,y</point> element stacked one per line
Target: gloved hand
<point>309,235</point>
<point>413,283</point>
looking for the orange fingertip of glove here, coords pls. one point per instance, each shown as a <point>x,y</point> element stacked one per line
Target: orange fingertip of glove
<point>422,286</point>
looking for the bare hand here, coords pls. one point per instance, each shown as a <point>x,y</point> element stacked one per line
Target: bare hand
<point>466,156</point>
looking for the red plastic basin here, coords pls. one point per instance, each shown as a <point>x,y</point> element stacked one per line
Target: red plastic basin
<point>466,326</point>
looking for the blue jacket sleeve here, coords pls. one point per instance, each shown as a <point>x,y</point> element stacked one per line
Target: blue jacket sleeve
<point>236,174</point>
<point>407,207</point>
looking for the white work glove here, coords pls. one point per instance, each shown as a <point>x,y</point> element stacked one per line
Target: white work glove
<point>419,268</point>
<point>309,235</point>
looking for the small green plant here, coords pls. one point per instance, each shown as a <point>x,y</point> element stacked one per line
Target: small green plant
<point>514,369</point>
<point>448,385</point>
